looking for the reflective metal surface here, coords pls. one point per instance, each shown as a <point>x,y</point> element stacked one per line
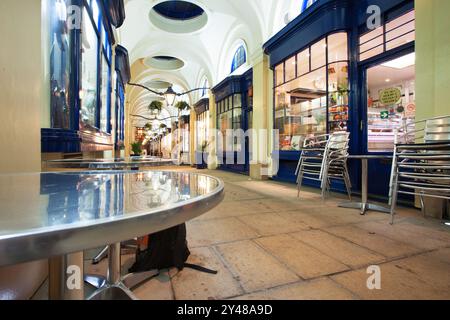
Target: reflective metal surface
<point>113,164</point>
<point>51,214</point>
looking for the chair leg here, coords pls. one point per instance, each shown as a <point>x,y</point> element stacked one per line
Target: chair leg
<point>394,199</point>
<point>422,206</point>
<point>299,183</point>
<point>348,185</point>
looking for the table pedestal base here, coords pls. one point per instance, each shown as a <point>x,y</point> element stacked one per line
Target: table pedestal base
<point>115,287</point>
<point>364,207</point>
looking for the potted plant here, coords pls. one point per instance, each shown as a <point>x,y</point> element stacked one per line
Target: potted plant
<point>149,126</point>
<point>156,106</point>
<point>136,148</point>
<point>182,106</point>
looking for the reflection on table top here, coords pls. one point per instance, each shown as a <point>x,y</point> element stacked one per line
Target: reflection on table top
<point>59,205</point>
<point>119,162</point>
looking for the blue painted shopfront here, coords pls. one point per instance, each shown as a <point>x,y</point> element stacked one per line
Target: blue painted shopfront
<point>310,30</point>
<point>81,73</point>
<point>234,104</point>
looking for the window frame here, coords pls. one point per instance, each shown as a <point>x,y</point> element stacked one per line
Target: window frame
<point>308,48</point>
<point>104,50</point>
<point>239,58</point>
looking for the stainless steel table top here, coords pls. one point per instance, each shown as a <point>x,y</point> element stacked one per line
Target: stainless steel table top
<point>110,163</point>
<point>50,214</point>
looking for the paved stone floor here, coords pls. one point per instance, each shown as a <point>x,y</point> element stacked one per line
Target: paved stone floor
<point>268,244</point>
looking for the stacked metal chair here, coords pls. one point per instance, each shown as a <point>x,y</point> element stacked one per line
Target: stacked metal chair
<point>323,159</point>
<point>421,165</point>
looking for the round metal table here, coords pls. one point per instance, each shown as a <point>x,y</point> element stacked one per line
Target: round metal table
<point>61,214</point>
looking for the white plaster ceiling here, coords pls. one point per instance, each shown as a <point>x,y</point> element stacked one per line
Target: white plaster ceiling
<point>208,52</point>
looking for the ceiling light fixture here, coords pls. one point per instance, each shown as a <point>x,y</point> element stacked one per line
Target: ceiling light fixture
<point>170,95</point>
<point>402,62</point>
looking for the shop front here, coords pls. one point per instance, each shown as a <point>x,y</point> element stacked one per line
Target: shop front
<point>202,137</point>
<point>81,76</point>
<point>234,106</point>
<point>332,73</point>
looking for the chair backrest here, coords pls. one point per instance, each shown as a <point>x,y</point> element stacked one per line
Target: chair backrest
<point>339,141</point>
<point>437,130</point>
<point>425,131</point>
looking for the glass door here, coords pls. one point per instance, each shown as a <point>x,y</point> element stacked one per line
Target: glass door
<point>390,101</point>
<point>390,106</point>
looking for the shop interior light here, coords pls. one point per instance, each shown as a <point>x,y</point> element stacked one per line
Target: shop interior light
<point>402,62</point>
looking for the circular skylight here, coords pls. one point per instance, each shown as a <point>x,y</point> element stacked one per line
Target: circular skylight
<point>178,16</point>
<point>164,63</point>
<point>178,10</point>
<point>158,84</point>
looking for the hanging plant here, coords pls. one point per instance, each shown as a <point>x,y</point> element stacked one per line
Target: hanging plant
<point>156,106</point>
<point>163,126</point>
<point>182,106</point>
<point>149,126</point>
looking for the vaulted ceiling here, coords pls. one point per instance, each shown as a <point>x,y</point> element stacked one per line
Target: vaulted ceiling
<point>205,44</point>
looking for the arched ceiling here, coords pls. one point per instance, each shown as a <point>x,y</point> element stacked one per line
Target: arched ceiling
<point>206,52</point>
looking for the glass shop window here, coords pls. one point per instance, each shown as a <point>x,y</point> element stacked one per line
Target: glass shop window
<point>105,99</point>
<point>279,74</point>
<point>318,54</point>
<point>202,129</point>
<point>88,94</point>
<point>60,64</point>
<point>316,102</point>
<point>291,68</point>
<point>393,34</point>
<point>391,101</point>
<point>303,62</point>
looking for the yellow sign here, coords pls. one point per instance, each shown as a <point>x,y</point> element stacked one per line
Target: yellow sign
<point>390,96</point>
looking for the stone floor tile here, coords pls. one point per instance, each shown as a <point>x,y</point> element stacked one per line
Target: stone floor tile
<point>271,223</point>
<point>396,232</point>
<point>314,221</point>
<point>339,249</point>
<point>319,289</point>
<point>255,268</point>
<point>396,284</point>
<point>373,241</point>
<point>431,270</point>
<point>441,254</point>
<point>190,284</point>
<point>205,233</point>
<point>235,209</point>
<point>158,288</point>
<point>301,258</point>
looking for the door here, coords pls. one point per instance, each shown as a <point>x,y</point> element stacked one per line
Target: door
<point>389,105</point>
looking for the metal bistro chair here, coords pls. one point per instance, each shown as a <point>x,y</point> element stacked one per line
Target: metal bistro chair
<point>421,165</point>
<point>324,158</point>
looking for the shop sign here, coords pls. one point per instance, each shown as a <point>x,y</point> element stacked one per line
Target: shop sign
<point>390,96</point>
<point>410,110</point>
<point>384,115</point>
